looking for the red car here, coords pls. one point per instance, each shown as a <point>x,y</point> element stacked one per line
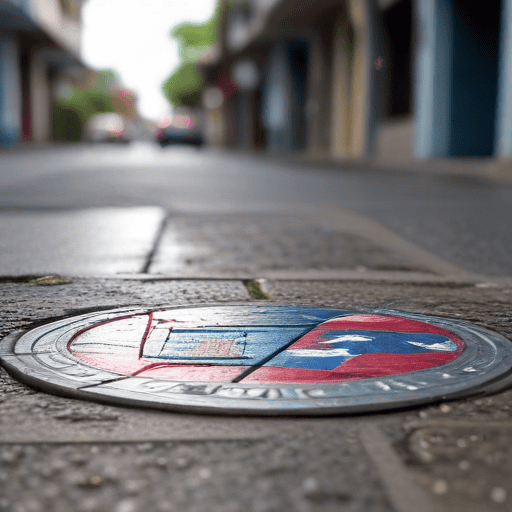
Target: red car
<point>179,130</point>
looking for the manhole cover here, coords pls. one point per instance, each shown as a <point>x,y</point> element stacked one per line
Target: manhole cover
<point>260,359</point>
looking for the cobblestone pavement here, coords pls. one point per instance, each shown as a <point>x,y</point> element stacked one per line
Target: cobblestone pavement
<point>61,454</point>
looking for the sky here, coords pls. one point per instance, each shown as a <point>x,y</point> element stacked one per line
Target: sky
<point>133,37</point>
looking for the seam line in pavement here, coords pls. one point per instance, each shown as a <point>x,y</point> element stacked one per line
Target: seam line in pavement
<point>342,275</point>
<point>115,441</point>
<point>403,492</point>
<point>156,243</point>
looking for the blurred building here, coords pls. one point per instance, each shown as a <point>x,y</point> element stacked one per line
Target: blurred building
<point>125,103</point>
<point>39,60</point>
<point>394,79</point>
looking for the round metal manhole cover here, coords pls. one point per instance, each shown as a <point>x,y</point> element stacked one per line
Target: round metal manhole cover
<point>260,359</point>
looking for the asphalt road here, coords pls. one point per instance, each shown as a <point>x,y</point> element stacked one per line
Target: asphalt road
<point>86,207</point>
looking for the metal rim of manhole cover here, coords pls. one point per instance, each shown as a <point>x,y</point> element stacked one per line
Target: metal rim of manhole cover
<point>260,359</point>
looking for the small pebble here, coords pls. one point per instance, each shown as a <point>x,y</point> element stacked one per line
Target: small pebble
<point>426,456</point>
<point>134,486</point>
<point>126,506</point>
<point>464,465</point>
<point>92,482</point>
<point>498,495</point>
<point>8,457</point>
<point>205,473</point>
<point>445,408</point>
<point>182,462</point>
<point>310,485</point>
<point>440,487</point>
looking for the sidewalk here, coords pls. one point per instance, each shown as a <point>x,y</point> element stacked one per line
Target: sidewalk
<point>483,168</point>
<point>62,454</point>
<point>487,168</point>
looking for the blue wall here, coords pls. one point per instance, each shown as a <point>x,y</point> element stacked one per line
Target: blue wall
<point>456,78</point>
<point>503,139</point>
<point>433,77</point>
<point>284,96</point>
<point>475,78</point>
<point>298,55</point>
<point>276,96</point>
<point>10,91</point>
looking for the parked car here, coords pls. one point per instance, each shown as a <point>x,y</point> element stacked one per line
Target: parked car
<point>180,130</point>
<point>109,127</point>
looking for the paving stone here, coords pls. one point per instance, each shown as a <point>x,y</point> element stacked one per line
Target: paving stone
<point>279,473</point>
<point>250,243</point>
<point>22,303</point>
<point>488,306</point>
<point>469,465</point>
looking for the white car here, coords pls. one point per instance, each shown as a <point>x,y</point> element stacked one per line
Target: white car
<point>108,127</point>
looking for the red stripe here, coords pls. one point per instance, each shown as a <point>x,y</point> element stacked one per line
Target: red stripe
<point>146,334</point>
<point>130,364</point>
<point>360,367</point>
<point>194,373</point>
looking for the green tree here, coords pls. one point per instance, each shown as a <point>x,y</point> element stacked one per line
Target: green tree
<point>70,114</point>
<point>107,80</point>
<point>183,87</point>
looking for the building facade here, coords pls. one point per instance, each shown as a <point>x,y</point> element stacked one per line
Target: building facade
<point>39,55</point>
<point>393,79</point>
